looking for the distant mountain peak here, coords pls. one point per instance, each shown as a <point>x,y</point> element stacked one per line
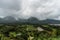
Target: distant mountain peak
<point>9,18</point>
<point>32,20</point>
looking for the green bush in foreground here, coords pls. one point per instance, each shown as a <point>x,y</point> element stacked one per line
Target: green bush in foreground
<point>29,32</point>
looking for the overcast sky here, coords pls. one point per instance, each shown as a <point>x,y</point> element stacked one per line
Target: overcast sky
<point>42,9</point>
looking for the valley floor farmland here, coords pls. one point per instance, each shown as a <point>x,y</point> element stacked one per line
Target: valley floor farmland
<point>29,32</point>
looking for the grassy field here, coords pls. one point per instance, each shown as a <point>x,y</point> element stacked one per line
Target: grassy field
<point>29,32</point>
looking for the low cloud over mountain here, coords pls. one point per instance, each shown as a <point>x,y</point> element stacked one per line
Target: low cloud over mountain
<point>41,9</point>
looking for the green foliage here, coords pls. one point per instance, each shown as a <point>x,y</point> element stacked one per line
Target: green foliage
<point>28,32</point>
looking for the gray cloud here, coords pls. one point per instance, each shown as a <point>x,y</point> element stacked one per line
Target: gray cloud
<point>9,7</point>
<point>9,4</point>
<point>42,9</point>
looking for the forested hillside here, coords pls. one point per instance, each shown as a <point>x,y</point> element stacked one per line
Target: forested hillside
<point>29,32</point>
